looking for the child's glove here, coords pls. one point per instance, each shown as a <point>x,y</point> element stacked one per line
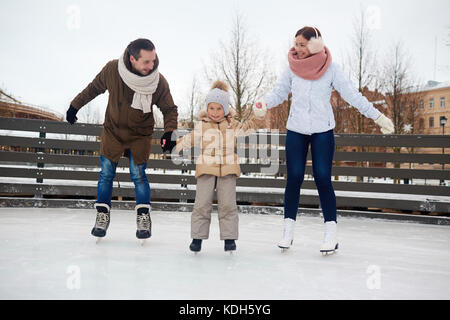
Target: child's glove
<point>260,109</point>
<point>387,127</point>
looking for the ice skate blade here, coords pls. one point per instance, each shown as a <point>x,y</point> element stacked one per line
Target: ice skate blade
<point>143,234</point>
<point>142,242</point>
<point>283,249</point>
<point>230,250</point>
<point>330,252</point>
<point>97,241</point>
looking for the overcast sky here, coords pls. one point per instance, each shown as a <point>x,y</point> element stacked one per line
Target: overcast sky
<point>50,50</point>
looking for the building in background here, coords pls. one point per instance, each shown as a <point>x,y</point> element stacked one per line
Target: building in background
<point>434,116</point>
<point>10,107</point>
<point>433,107</point>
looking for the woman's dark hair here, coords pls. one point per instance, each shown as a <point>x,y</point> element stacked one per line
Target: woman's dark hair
<point>308,33</point>
<point>135,47</point>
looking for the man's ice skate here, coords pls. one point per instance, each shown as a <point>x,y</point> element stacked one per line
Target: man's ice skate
<point>287,238</point>
<point>144,222</point>
<point>102,221</point>
<point>330,244</point>
<point>230,246</point>
<point>196,245</point>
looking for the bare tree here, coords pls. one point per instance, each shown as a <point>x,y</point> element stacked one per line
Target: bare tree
<point>194,99</point>
<point>278,115</point>
<point>243,65</point>
<point>89,114</point>
<point>400,88</point>
<point>362,64</point>
<point>401,93</point>
<point>361,67</point>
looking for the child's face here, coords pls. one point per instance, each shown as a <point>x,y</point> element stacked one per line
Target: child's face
<point>215,111</point>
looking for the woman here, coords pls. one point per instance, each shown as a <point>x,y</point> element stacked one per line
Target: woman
<point>310,77</point>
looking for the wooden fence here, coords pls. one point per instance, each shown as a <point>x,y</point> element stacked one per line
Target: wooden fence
<point>52,159</point>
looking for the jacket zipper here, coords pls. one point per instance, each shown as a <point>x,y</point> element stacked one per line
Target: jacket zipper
<point>220,146</point>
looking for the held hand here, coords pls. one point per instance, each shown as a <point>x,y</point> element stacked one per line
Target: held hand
<point>260,109</point>
<point>71,115</point>
<point>386,124</point>
<point>168,141</point>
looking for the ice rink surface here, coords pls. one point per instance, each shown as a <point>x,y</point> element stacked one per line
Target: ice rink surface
<point>50,254</point>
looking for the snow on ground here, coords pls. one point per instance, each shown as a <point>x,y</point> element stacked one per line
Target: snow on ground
<point>50,254</point>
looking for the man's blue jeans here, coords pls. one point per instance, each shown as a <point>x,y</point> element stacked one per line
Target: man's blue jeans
<point>137,175</point>
<point>322,152</point>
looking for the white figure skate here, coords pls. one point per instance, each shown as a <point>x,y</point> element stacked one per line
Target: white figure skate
<point>288,235</point>
<point>330,244</point>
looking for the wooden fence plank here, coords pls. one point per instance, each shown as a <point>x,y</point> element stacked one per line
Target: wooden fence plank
<point>51,126</point>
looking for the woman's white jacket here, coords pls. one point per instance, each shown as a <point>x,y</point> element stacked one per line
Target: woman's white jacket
<point>311,110</point>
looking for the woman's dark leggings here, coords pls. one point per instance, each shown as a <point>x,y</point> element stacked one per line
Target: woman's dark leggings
<point>322,151</point>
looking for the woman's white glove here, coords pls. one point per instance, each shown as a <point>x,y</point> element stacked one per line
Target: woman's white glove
<point>386,124</point>
<point>260,109</point>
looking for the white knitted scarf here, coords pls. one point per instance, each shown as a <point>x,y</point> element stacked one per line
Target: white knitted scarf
<point>143,86</point>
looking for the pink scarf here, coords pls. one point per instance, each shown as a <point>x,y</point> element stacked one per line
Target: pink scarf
<point>311,68</point>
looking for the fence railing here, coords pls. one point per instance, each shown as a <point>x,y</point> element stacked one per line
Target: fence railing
<point>45,159</point>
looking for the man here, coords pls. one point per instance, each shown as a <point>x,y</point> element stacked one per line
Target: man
<point>134,85</point>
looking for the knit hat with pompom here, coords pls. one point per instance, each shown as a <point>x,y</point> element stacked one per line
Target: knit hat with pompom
<point>219,94</point>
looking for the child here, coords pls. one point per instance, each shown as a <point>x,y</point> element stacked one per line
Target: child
<point>217,166</point>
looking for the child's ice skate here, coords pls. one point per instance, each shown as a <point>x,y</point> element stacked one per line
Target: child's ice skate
<point>230,246</point>
<point>196,245</point>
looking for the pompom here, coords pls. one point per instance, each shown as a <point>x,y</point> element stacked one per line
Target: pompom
<point>220,85</point>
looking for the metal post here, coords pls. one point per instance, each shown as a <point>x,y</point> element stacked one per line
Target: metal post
<point>443,121</point>
<point>40,161</point>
